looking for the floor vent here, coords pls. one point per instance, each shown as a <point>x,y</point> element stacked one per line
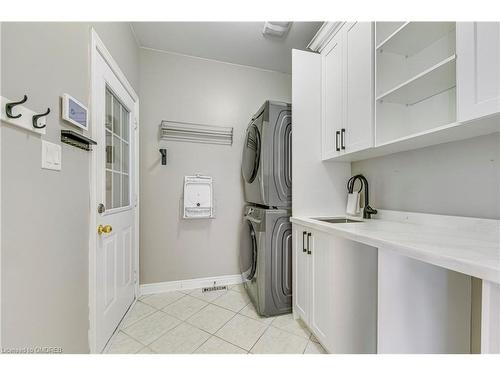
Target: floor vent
<point>214,288</point>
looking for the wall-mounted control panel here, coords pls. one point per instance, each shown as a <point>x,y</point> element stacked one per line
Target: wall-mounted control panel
<point>74,112</point>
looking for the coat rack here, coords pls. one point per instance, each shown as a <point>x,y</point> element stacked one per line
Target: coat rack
<point>15,113</point>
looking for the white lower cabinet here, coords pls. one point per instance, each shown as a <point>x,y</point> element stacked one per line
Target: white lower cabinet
<point>300,273</point>
<point>335,290</point>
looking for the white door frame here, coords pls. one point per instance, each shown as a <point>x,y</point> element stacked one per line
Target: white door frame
<point>99,49</point>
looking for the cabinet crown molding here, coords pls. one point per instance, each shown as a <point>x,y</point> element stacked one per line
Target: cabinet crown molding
<point>323,35</point>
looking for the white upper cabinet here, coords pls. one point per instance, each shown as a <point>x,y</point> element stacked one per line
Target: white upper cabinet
<point>347,90</point>
<point>478,69</point>
<point>333,95</point>
<point>359,74</point>
<point>395,86</point>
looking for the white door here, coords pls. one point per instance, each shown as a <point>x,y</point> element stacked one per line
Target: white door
<point>333,102</point>
<point>358,132</point>
<point>478,69</point>
<point>300,273</point>
<point>322,277</point>
<point>115,198</point>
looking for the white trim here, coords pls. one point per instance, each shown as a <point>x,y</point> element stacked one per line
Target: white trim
<point>203,282</point>
<point>135,35</point>
<point>1,299</point>
<point>323,35</point>
<point>490,318</point>
<point>213,60</point>
<point>98,47</point>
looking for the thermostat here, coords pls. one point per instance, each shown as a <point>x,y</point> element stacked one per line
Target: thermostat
<point>74,112</point>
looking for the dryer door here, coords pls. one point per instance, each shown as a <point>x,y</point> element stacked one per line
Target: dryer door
<point>251,153</point>
<point>248,252</point>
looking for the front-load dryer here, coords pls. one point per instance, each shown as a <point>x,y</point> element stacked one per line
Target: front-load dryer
<point>267,156</point>
<point>266,259</point>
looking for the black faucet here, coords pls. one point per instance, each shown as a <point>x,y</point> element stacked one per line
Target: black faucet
<point>367,210</point>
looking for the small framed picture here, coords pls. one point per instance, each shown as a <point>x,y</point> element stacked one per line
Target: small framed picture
<point>74,112</point>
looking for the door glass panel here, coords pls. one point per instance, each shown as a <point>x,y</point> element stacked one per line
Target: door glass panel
<point>109,113</point>
<point>109,191</point>
<point>109,150</point>
<point>125,158</point>
<point>117,152</point>
<point>125,124</point>
<point>117,187</point>
<point>117,157</point>
<point>125,192</point>
<point>116,116</point>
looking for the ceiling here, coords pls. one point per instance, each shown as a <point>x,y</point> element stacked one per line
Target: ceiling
<point>233,42</point>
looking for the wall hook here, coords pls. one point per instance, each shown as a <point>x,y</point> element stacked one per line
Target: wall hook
<point>36,117</point>
<point>163,152</point>
<point>9,106</point>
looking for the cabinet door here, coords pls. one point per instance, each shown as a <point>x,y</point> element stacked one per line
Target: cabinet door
<point>359,66</point>
<point>344,294</point>
<point>300,274</point>
<point>322,296</point>
<point>478,69</point>
<point>332,94</point>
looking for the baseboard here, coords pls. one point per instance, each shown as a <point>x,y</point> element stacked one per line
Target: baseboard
<point>203,282</point>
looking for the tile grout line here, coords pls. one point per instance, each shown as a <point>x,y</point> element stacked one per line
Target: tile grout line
<point>255,343</point>
<point>208,303</point>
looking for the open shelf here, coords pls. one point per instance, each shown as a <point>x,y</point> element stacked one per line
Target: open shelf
<point>435,80</point>
<point>384,29</point>
<point>412,37</point>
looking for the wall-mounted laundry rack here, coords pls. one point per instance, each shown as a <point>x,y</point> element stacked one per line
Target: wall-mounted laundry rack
<point>198,133</point>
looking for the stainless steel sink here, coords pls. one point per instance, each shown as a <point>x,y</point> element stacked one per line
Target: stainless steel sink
<point>337,220</point>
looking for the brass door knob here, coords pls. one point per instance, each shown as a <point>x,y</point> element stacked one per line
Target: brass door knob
<point>104,229</point>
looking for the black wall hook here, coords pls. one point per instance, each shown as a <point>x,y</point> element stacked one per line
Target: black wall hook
<point>9,106</point>
<point>36,117</point>
<point>163,152</point>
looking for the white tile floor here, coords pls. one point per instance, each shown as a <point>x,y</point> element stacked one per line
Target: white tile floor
<point>220,322</point>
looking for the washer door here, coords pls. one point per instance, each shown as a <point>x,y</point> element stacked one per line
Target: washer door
<point>248,253</point>
<point>251,154</point>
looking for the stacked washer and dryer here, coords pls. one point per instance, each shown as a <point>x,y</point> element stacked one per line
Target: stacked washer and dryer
<point>266,249</point>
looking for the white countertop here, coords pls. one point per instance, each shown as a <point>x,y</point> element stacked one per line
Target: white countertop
<point>467,245</point>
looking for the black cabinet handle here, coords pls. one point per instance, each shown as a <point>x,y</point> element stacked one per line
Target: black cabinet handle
<point>308,248</point>
<point>342,140</point>
<point>337,134</point>
<point>304,241</point>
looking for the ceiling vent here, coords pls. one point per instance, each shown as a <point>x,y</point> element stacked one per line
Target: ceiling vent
<point>276,29</point>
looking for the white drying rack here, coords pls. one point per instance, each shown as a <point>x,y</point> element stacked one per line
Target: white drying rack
<point>198,133</point>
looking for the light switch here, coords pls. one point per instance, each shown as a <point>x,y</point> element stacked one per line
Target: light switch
<point>51,156</point>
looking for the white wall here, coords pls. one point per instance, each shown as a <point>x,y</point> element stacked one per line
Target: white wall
<point>45,214</point>
<point>457,178</point>
<point>182,88</point>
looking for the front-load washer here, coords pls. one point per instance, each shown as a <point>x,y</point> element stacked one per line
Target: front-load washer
<point>267,156</point>
<point>266,259</point>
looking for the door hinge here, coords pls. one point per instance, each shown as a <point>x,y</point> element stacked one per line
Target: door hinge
<point>135,123</point>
